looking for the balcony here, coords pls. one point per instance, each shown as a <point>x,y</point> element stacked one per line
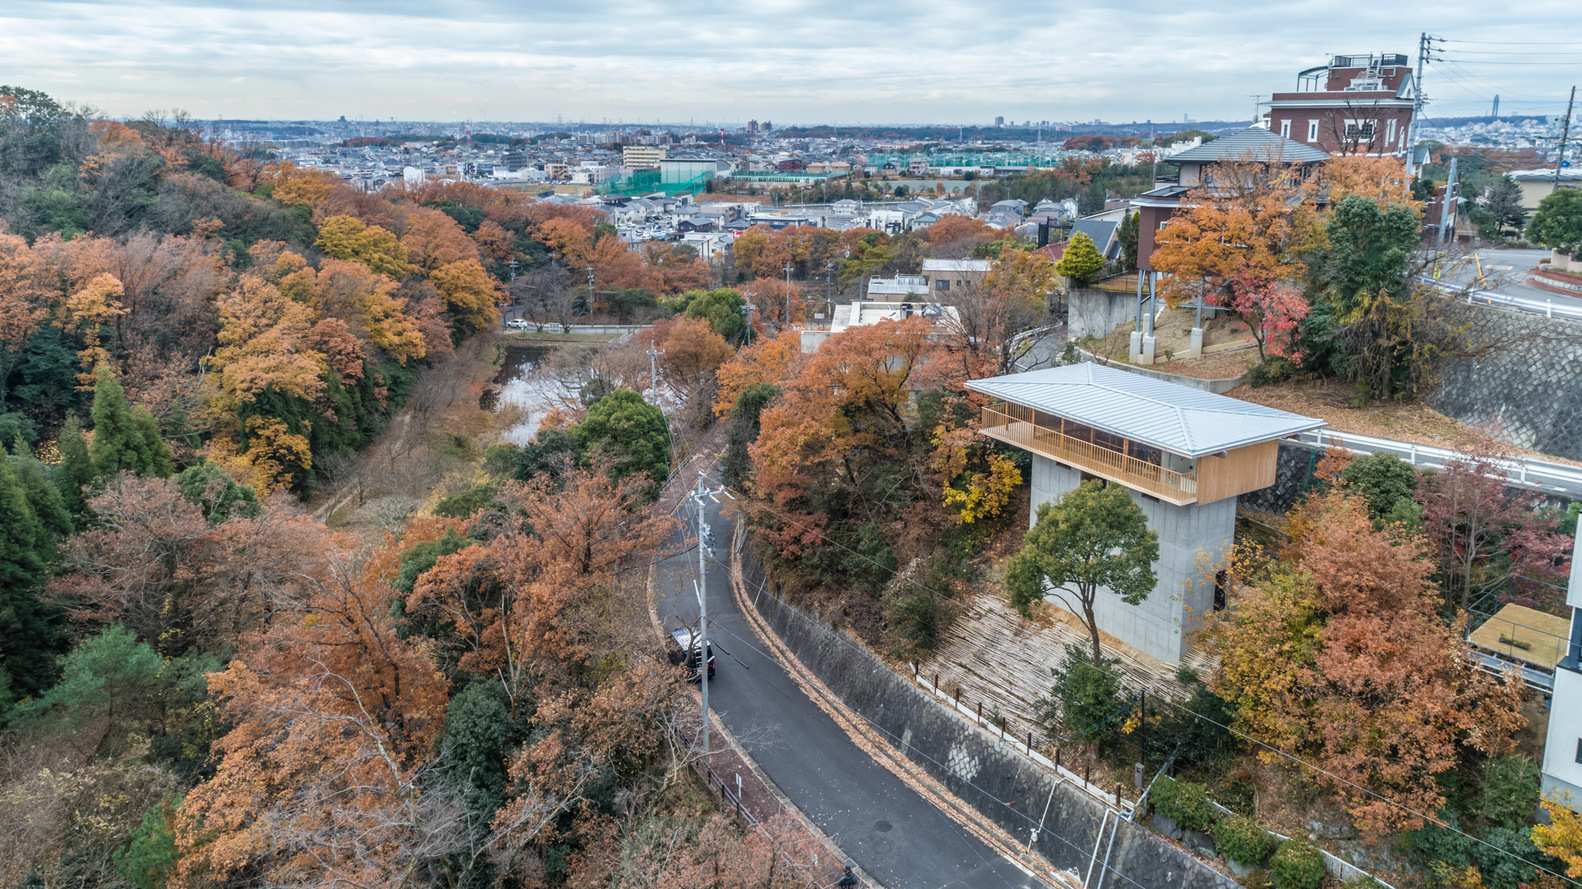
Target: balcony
<point>1020,427</point>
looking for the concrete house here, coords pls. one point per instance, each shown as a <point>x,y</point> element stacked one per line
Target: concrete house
<point>1182,453</point>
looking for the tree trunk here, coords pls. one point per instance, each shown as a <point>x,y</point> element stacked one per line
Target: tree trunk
<point>1089,618</point>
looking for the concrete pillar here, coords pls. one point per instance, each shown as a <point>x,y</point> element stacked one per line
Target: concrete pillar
<point>1195,347</point>
<point>1147,357</point>
<point>1134,353</point>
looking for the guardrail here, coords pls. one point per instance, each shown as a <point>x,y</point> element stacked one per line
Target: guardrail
<point>1548,308</point>
<point>1523,471</point>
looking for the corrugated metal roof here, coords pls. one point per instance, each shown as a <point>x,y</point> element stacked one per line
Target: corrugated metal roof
<point>1169,416</point>
<point>1253,143</point>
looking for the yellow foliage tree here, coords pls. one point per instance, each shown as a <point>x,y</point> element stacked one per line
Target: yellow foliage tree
<point>1561,838</point>
<point>984,495</point>
<point>470,294</point>
<point>86,311</point>
<point>346,238</point>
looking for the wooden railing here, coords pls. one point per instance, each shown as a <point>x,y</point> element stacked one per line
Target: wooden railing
<point>1013,424</point>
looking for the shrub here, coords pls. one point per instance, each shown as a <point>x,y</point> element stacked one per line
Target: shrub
<point>1184,803</point>
<point>1273,369</point>
<point>1297,865</point>
<point>1241,840</point>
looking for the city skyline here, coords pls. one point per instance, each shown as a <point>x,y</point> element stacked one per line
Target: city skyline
<point>794,63</point>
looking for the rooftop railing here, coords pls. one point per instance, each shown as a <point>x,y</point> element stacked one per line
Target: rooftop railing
<point>1015,425</point>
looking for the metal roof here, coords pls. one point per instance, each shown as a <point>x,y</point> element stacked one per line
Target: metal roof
<point>1253,143</point>
<point>1168,416</point>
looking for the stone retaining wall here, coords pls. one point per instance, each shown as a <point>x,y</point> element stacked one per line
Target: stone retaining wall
<point>1527,389</point>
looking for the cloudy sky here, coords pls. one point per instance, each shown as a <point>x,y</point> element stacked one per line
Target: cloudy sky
<point>791,61</point>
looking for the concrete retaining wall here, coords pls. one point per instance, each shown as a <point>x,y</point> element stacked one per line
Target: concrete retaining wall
<point>1097,312</point>
<point>1004,787</point>
<point>1218,387</point>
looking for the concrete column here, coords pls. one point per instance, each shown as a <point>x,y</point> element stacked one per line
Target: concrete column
<point>1134,353</point>
<point>1195,347</point>
<point>1149,341</point>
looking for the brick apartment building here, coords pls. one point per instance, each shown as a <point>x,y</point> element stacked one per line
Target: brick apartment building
<point>1357,104</point>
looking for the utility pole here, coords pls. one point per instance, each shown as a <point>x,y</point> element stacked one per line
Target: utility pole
<point>1447,212</point>
<point>1565,136</point>
<point>590,294</point>
<point>704,539</point>
<point>653,371</point>
<point>1425,49</point>
<point>788,296</point>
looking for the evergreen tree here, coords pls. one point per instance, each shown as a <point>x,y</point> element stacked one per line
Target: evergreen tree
<point>75,471</point>
<point>43,497</point>
<point>1082,261</point>
<point>631,432</point>
<point>28,635</point>
<point>1505,204</point>
<point>1128,239</point>
<point>125,436</point>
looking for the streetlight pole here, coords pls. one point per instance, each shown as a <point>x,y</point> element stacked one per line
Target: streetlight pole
<point>829,289</point>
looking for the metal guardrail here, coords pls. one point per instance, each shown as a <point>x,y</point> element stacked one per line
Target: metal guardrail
<point>1526,472</point>
<point>1548,308</point>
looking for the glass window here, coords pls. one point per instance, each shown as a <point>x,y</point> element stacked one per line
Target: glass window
<point>1312,131</point>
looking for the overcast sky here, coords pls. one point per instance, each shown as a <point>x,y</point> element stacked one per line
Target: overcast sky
<point>790,61</point>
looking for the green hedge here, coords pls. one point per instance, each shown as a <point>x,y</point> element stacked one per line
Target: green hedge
<point>1184,803</point>
<point>1241,840</point>
<point>1297,865</point>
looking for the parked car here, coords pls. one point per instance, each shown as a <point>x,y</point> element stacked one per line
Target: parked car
<point>518,324</point>
<point>684,653</point>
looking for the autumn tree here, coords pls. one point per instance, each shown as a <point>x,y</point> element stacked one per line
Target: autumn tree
<point>768,360</point>
<point>1095,539</point>
<point>1335,652</point>
<point>692,352</point>
<point>471,294</point>
<point>1485,532</point>
<point>1273,311</point>
<point>343,237</point>
<point>1254,219</point>
<point>335,721</point>
<point>994,314</point>
<point>833,448</point>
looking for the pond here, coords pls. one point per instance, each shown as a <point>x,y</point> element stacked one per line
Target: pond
<point>523,381</point>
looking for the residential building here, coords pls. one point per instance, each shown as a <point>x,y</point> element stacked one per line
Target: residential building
<point>1183,454</point>
<point>901,288</point>
<point>641,157</point>
<point>867,313</point>
<point>1199,165</point>
<point>947,276</point>
<point>1356,104</point>
<point>1562,766</point>
<point>1539,184</point>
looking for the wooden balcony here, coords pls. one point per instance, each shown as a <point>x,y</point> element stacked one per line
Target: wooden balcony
<point>1014,425</point>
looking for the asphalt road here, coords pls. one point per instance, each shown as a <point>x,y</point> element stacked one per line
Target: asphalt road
<point>883,825</point>
<point>1504,271</point>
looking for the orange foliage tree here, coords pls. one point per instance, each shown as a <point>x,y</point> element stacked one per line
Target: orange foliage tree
<point>842,418</point>
<point>1253,220</point>
<point>1335,652</point>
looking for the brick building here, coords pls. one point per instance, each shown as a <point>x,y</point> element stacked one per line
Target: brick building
<point>1358,104</point>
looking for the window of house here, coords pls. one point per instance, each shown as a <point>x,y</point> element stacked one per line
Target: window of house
<point>1285,129</point>
<point>1359,131</point>
<point>1389,132</point>
<point>942,285</point>
<point>1312,131</point>
<point>1579,749</point>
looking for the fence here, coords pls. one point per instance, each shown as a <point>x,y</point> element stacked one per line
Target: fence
<point>1014,424</point>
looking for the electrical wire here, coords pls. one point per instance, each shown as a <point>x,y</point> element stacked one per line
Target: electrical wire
<point>1367,791</point>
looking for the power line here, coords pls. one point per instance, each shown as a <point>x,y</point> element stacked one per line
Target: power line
<point>1368,791</point>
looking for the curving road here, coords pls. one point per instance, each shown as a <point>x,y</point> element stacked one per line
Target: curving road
<point>882,824</point>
